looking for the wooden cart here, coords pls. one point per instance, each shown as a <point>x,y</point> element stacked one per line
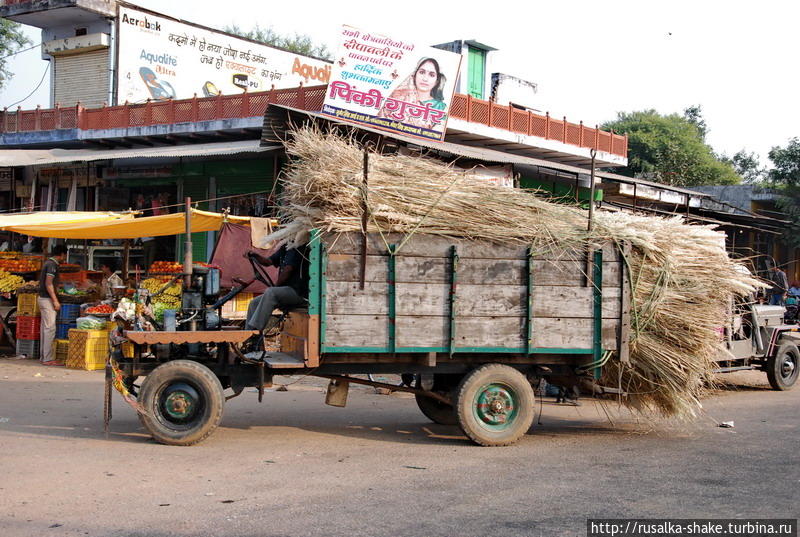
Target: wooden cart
<point>471,327</point>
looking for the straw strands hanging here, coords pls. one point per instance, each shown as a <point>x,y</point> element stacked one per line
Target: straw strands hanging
<point>681,277</point>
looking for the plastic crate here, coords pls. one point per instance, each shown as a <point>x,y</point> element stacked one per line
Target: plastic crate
<point>242,301</point>
<point>28,327</point>
<point>28,304</point>
<point>74,277</point>
<point>62,350</point>
<point>28,347</point>
<point>62,329</point>
<point>68,313</point>
<point>88,349</point>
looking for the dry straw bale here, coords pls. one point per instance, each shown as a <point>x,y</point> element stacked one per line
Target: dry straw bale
<point>681,276</point>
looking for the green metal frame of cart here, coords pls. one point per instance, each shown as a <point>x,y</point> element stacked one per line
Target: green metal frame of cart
<point>476,323</point>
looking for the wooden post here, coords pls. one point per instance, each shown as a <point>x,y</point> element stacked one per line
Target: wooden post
<point>593,153</point>
<point>625,305</point>
<point>187,250</point>
<point>364,219</point>
<point>126,259</point>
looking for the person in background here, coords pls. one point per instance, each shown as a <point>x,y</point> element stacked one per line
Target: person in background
<point>30,245</point>
<point>49,304</point>
<point>780,286</point>
<point>110,278</point>
<point>794,290</point>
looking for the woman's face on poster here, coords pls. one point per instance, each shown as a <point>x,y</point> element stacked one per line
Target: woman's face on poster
<point>426,77</point>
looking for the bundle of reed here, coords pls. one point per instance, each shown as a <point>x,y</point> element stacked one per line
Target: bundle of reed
<point>681,276</point>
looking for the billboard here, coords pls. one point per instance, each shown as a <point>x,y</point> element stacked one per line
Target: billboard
<point>392,84</point>
<point>162,58</point>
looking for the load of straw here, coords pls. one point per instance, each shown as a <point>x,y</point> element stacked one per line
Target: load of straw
<point>681,276</point>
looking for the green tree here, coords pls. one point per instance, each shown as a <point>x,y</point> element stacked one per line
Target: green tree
<point>747,165</point>
<point>786,162</point>
<point>11,40</point>
<point>784,179</point>
<point>671,149</point>
<point>300,44</point>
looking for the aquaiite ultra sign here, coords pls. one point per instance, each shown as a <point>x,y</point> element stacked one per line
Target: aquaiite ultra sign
<point>392,84</point>
<point>162,58</point>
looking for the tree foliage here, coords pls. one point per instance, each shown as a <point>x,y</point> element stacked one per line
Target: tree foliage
<point>747,165</point>
<point>671,148</point>
<point>11,40</point>
<point>784,179</point>
<point>298,43</point>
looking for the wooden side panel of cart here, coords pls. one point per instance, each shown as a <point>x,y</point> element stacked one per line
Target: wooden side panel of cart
<point>440,295</point>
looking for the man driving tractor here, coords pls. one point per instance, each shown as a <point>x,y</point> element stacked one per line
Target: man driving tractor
<point>290,289</point>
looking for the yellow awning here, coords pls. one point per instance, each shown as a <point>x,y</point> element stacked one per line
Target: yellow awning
<point>149,226</point>
<point>9,222</point>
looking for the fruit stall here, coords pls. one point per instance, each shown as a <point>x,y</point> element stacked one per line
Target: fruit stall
<point>164,296</point>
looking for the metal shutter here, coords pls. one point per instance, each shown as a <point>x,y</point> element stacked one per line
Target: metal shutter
<point>82,77</point>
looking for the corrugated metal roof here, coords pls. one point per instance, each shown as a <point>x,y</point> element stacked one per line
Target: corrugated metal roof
<point>32,157</point>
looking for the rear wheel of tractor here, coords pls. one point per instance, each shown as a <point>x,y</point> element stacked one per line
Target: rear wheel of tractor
<point>183,401</point>
<point>782,369</point>
<point>494,405</point>
<point>433,409</point>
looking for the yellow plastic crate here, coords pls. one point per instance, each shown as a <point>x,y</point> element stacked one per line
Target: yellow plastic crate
<point>62,350</point>
<point>242,301</point>
<point>28,304</point>
<point>88,349</point>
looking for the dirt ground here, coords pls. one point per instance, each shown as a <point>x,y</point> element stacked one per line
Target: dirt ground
<point>294,466</point>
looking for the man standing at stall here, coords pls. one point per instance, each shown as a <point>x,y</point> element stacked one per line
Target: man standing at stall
<point>49,304</point>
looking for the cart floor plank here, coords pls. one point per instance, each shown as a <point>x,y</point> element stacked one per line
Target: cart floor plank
<point>153,338</point>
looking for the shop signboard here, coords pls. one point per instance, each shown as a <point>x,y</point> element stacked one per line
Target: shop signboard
<point>392,84</point>
<point>163,58</point>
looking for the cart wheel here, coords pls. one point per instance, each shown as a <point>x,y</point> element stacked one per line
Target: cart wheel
<point>183,402</point>
<point>494,405</point>
<point>435,410</point>
<point>784,367</point>
<point>10,321</point>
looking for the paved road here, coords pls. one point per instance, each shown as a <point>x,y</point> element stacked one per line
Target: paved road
<point>293,466</point>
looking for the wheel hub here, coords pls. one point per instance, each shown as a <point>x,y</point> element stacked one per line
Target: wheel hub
<point>180,402</point>
<point>496,406</point>
<point>788,367</point>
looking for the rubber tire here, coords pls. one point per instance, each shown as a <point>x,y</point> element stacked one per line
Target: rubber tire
<point>436,411</point>
<point>203,380</point>
<point>774,366</point>
<point>465,395</point>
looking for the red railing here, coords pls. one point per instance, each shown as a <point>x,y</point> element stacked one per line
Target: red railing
<point>543,126</point>
<point>254,104</point>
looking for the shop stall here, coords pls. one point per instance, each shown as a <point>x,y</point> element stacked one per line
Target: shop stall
<point>154,297</point>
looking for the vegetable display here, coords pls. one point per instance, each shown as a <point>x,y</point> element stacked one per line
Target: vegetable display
<point>9,282</point>
<point>166,267</point>
<point>102,309</point>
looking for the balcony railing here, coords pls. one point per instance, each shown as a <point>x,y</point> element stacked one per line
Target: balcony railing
<point>311,98</point>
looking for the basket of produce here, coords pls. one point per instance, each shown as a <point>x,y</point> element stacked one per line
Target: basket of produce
<point>163,297</point>
<point>29,287</point>
<point>102,310</point>
<point>19,266</point>
<point>9,282</point>
<point>166,267</point>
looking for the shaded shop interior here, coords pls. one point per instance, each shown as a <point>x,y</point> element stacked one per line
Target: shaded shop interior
<point>241,183</point>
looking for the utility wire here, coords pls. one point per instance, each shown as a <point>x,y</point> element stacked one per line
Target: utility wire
<point>19,52</point>
<point>46,69</point>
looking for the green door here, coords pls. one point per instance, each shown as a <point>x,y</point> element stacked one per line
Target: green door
<point>477,71</point>
<point>197,189</point>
